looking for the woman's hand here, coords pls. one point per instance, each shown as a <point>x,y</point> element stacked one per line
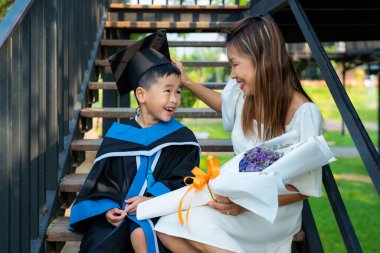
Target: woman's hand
<point>211,97</point>
<point>184,78</point>
<point>131,204</point>
<point>114,216</point>
<point>226,206</point>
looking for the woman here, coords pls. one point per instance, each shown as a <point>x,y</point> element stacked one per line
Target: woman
<point>263,99</point>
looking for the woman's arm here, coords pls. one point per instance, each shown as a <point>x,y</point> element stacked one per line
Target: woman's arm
<point>210,97</point>
<point>226,206</point>
<point>284,200</point>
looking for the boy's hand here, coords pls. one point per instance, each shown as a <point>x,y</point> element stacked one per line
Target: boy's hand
<point>115,215</point>
<point>131,204</point>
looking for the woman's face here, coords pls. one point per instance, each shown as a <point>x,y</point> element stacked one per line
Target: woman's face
<point>242,70</point>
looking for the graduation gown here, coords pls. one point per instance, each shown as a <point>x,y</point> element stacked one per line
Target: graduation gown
<point>131,161</point>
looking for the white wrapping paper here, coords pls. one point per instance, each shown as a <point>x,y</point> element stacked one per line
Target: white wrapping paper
<point>255,191</point>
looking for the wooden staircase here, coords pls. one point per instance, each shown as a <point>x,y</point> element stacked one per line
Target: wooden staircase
<point>122,20</point>
<point>50,69</point>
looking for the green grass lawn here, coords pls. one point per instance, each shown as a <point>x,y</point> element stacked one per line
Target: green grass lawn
<point>362,204</point>
<point>363,99</point>
<point>335,138</point>
<point>213,127</point>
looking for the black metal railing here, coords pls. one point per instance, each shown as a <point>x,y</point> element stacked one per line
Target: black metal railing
<point>44,49</point>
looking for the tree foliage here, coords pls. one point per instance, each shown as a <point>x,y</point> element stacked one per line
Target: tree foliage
<point>4,7</point>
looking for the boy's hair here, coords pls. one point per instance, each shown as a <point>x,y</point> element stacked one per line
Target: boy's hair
<point>152,75</point>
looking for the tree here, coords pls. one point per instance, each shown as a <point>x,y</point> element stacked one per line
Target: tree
<point>4,7</point>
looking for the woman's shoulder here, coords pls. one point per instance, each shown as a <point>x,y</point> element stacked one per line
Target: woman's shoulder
<point>298,104</point>
<point>308,107</point>
<point>301,106</point>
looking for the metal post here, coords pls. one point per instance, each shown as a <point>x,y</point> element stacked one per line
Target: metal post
<point>346,229</point>
<point>344,86</point>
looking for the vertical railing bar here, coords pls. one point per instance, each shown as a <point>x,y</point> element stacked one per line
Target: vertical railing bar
<point>313,241</point>
<point>66,79</point>
<point>80,6</point>
<point>25,134</point>
<point>85,19</point>
<point>51,96</point>
<point>4,154</point>
<point>42,107</point>
<point>34,115</point>
<point>15,154</point>
<point>60,75</point>
<point>80,47</point>
<point>344,86</point>
<point>359,135</point>
<point>346,229</point>
<point>71,38</point>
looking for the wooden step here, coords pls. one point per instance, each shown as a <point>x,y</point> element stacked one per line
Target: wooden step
<point>125,43</point>
<point>72,182</point>
<point>207,145</point>
<point>57,232</point>
<point>112,85</point>
<point>131,112</point>
<point>134,7</point>
<point>180,26</point>
<point>105,63</point>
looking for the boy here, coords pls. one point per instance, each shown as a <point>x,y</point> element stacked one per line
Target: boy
<point>146,157</point>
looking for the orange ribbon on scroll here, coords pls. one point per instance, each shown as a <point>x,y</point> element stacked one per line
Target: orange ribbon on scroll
<point>200,180</point>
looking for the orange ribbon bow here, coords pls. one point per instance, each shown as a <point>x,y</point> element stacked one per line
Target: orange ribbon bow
<point>200,180</point>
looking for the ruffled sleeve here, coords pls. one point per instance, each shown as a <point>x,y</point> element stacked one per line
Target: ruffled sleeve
<point>231,95</point>
<point>308,122</point>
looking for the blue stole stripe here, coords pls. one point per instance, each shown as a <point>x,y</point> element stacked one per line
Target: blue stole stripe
<point>135,190</point>
<point>90,208</point>
<point>158,189</point>
<point>143,136</point>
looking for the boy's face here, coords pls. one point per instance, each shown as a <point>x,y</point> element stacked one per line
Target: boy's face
<point>162,99</point>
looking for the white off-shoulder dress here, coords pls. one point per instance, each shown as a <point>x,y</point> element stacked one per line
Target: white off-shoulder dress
<point>248,232</point>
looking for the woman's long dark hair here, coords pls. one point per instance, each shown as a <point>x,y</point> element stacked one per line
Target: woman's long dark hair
<point>275,78</point>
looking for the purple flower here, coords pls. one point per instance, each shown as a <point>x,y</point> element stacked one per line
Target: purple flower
<point>258,159</point>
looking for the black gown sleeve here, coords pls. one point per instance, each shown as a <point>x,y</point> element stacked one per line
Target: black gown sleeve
<point>175,163</point>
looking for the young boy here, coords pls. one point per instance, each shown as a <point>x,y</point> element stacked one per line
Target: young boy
<point>146,157</point>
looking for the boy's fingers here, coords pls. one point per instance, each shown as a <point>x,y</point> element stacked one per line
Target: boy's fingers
<point>130,208</point>
<point>131,200</point>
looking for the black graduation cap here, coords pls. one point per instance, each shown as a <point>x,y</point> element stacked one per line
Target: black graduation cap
<point>129,64</point>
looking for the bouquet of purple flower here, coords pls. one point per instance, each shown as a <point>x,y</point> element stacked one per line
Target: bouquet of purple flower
<point>258,159</point>
<point>277,161</point>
